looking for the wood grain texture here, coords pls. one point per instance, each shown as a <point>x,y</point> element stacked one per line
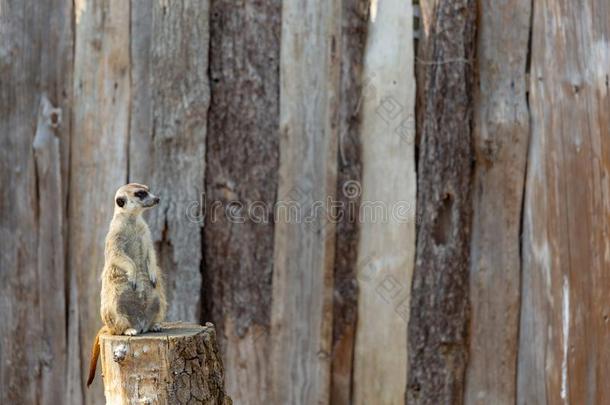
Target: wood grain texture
<point>99,153</point>
<point>354,22</point>
<point>141,119</point>
<point>501,133</point>
<point>438,323</point>
<point>51,255</point>
<point>179,365</point>
<point>35,58</point>
<point>167,142</point>
<point>242,161</point>
<point>564,314</point>
<point>301,329</point>
<point>386,247</point>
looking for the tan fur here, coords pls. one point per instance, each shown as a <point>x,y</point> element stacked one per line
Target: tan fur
<point>133,290</point>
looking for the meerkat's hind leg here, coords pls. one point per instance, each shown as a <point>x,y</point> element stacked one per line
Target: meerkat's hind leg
<point>156,327</point>
<point>130,332</point>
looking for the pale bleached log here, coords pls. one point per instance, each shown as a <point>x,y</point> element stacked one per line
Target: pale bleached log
<point>99,152</point>
<point>179,365</point>
<point>386,248</point>
<point>301,319</point>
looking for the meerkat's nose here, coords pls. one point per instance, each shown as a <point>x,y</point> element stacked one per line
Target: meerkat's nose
<point>156,200</point>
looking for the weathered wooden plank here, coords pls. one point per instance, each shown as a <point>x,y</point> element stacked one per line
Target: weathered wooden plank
<point>35,57</point>
<point>75,384</point>
<point>501,133</point>
<point>169,117</point>
<point>304,252</point>
<point>51,267</point>
<point>241,168</point>
<point>349,172</point>
<point>56,35</point>
<point>566,255</point>
<point>439,302</point>
<point>181,98</point>
<point>99,152</point>
<point>386,247</point>
<point>19,66</point>
<point>57,81</point>
<point>141,164</point>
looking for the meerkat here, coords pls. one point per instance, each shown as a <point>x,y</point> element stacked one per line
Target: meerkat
<point>133,292</point>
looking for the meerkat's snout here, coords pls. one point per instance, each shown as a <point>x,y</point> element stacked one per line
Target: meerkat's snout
<point>151,201</point>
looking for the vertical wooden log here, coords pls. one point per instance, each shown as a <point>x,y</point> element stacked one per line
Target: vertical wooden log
<point>57,64</point>
<point>99,152</point>
<point>439,302</point>
<point>51,268</point>
<point>141,162</point>
<point>500,137</point>
<point>178,365</point>
<point>74,377</point>
<point>566,254</point>
<point>20,337</point>
<point>349,172</point>
<point>35,58</point>
<point>241,169</point>
<point>169,152</point>
<point>304,252</point>
<point>386,248</point>
<point>18,222</point>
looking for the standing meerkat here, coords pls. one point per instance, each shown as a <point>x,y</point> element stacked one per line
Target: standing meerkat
<point>133,293</point>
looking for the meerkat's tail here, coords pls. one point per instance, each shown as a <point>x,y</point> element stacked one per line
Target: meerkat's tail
<point>95,353</point>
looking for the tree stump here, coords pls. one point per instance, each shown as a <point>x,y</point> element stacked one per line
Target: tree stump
<point>179,365</point>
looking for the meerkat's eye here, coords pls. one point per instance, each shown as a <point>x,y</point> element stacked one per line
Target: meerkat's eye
<point>141,194</point>
<point>120,201</point>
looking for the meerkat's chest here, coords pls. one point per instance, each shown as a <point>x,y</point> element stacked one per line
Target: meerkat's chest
<point>137,248</point>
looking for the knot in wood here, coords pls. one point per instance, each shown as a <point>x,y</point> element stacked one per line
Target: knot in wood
<point>119,353</point>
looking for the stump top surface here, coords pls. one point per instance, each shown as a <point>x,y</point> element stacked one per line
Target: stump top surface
<point>170,330</point>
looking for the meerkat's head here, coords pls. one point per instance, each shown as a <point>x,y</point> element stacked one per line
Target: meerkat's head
<point>133,198</point>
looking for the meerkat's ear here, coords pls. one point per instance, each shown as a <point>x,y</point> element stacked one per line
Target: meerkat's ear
<point>120,201</point>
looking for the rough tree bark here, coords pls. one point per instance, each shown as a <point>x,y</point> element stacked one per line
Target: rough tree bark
<point>179,365</point>
<point>439,302</point>
<point>349,171</point>
<point>99,153</point>
<point>301,330</point>
<point>242,162</point>
<point>500,138</point>
<point>386,248</point>
<point>566,255</point>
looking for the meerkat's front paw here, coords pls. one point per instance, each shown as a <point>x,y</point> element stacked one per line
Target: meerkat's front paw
<point>153,279</point>
<point>130,332</point>
<point>133,283</point>
<point>156,328</point>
